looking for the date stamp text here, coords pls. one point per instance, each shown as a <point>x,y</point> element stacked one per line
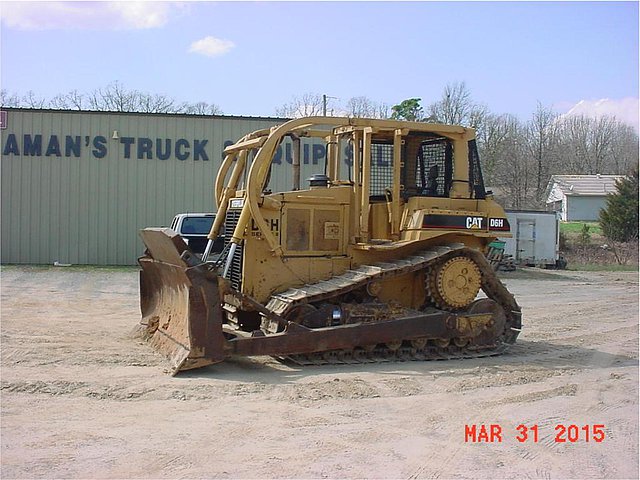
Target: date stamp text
<point>494,433</point>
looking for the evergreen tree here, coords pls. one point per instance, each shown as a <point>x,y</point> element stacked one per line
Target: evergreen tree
<point>409,109</point>
<point>619,219</point>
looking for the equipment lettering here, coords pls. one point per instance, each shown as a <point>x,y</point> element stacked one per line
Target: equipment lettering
<point>54,147</point>
<point>33,146</point>
<point>497,223</point>
<point>273,223</point>
<point>145,148</point>
<point>314,154</point>
<point>474,223</point>
<point>99,146</point>
<point>199,151</point>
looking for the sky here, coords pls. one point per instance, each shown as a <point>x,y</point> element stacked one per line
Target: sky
<point>250,58</point>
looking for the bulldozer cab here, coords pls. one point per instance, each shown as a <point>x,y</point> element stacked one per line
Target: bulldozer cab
<point>383,163</point>
<point>427,167</point>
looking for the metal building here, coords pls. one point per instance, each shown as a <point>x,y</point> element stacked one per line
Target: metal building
<point>77,186</point>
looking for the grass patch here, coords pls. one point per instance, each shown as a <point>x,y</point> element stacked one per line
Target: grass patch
<point>594,267</point>
<point>575,228</point>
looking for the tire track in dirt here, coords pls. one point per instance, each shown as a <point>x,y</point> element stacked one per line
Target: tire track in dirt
<point>562,391</point>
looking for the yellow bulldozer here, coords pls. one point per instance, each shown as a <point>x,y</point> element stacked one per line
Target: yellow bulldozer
<point>380,257</point>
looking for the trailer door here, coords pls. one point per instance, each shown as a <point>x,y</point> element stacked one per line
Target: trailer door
<point>526,240</point>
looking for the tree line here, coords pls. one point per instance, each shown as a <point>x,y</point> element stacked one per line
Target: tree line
<point>519,156</point>
<point>113,98</point>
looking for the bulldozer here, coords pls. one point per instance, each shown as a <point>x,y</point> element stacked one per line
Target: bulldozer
<point>381,257</point>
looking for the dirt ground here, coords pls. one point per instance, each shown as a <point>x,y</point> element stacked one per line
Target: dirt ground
<point>80,399</point>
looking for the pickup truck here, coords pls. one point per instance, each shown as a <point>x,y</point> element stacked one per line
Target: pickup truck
<point>194,228</point>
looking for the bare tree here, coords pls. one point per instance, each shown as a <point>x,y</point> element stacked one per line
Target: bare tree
<point>363,107</point>
<point>72,100</point>
<point>360,107</point>
<point>9,99</point>
<point>30,100</point>
<point>154,103</point>
<point>624,149</point>
<point>477,116</point>
<point>602,136</point>
<point>575,143</point>
<point>383,111</point>
<point>542,146</point>
<point>586,143</point>
<point>114,98</point>
<point>508,167</point>
<point>200,108</point>
<point>309,104</point>
<point>491,140</point>
<point>456,107</point>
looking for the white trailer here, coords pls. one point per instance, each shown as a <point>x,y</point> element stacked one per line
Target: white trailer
<point>535,240</point>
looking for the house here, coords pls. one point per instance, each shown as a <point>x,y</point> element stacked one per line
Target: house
<point>579,197</point>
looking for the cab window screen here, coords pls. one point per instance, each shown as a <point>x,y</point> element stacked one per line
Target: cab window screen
<point>475,173</point>
<point>434,168</point>
<point>381,168</point>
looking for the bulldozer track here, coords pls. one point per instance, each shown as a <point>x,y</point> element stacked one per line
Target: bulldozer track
<point>283,303</point>
<point>382,354</point>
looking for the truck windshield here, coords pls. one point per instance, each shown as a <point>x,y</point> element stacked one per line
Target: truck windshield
<point>197,225</point>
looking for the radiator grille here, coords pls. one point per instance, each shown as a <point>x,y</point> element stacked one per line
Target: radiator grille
<point>235,271</point>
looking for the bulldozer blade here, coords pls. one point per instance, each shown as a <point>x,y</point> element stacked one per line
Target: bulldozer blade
<point>180,303</point>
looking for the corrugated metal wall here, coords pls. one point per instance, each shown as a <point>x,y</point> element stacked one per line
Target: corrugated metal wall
<point>73,193</point>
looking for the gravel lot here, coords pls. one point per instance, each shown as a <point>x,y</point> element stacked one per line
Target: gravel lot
<point>81,399</point>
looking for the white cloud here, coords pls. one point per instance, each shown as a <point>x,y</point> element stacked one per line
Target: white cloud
<point>211,46</point>
<point>142,14</point>
<point>85,15</point>
<point>624,109</point>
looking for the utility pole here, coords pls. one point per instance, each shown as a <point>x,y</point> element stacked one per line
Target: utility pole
<point>324,104</point>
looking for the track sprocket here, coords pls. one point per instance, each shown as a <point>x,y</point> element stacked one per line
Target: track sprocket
<point>454,284</point>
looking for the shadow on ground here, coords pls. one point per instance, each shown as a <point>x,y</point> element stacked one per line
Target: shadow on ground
<point>524,353</point>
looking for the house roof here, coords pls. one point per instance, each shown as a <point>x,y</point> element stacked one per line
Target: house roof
<point>586,185</point>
